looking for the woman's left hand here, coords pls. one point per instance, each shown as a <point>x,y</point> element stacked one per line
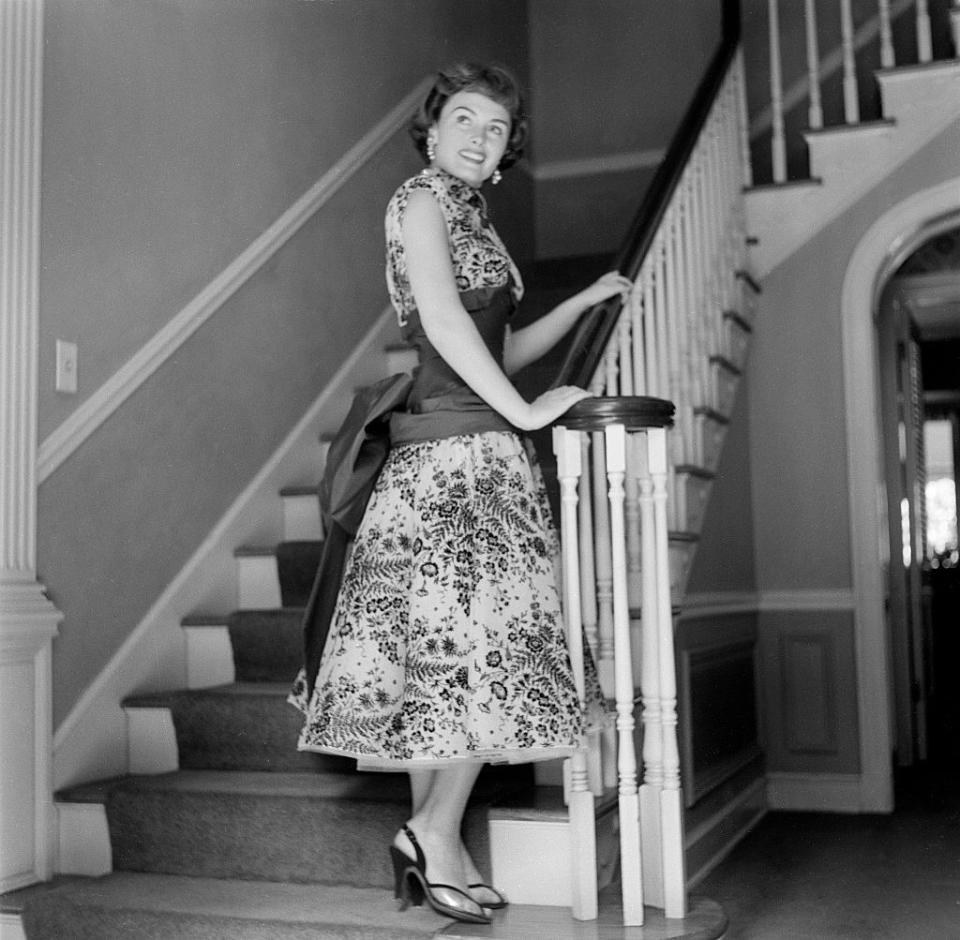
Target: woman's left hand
<point>605,287</point>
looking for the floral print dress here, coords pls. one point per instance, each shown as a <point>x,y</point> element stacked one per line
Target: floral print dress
<point>447,643</point>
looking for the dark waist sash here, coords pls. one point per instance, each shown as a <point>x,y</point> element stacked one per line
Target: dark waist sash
<point>456,412</point>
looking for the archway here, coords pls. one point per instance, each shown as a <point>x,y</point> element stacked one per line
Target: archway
<point>887,243</point>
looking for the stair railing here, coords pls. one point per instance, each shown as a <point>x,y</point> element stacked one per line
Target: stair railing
<point>852,39</point>
<point>624,482</point>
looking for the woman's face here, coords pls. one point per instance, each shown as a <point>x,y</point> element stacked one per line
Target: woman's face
<point>471,136</point>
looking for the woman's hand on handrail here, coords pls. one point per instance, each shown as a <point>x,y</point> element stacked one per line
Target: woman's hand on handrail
<point>536,340</point>
<point>546,408</point>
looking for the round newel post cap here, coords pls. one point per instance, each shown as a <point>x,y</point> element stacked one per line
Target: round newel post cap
<point>634,412</point>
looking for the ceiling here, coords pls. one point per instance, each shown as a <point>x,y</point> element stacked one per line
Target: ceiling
<point>928,283</point>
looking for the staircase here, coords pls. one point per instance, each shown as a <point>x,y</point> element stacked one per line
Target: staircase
<point>222,828</point>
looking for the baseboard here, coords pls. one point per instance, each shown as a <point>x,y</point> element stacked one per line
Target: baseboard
<point>718,835</point>
<point>92,741</point>
<point>811,792</point>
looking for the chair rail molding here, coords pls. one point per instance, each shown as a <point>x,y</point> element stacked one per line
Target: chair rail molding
<point>883,246</point>
<point>28,620</point>
<point>63,441</point>
<point>597,165</point>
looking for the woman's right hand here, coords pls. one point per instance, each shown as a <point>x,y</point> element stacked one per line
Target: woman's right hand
<point>550,405</point>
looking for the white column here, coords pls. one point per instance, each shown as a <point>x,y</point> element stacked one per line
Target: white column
<point>955,26</point>
<point>28,621</point>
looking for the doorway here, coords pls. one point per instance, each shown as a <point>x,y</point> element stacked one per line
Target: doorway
<point>919,344</point>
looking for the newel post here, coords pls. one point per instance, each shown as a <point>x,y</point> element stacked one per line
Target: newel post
<point>651,836</point>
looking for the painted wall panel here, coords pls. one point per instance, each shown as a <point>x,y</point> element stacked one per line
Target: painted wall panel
<point>809,696</point>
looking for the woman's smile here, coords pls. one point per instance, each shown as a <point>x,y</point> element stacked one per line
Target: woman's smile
<point>471,136</point>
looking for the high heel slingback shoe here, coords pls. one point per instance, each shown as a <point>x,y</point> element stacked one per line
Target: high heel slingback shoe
<point>410,886</point>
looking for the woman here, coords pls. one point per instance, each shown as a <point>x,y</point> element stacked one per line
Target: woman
<point>446,648</point>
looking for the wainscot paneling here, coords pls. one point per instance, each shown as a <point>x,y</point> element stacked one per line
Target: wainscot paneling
<point>718,699</point>
<point>809,691</point>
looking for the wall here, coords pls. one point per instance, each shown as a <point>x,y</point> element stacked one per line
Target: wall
<point>801,490</point>
<point>610,81</point>
<point>175,132</point>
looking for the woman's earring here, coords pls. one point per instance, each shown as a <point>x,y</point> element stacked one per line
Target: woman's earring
<point>496,176</point>
<point>431,149</point>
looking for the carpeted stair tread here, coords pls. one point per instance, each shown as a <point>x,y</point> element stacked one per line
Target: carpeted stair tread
<point>327,828</point>
<point>267,644</point>
<point>242,726</point>
<point>158,907</point>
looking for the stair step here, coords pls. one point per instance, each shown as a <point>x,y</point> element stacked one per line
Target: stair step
<point>267,644</point>
<point>325,828</point>
<point>157,907</point>
<point>277,576</point>
<point>242,726</point>
<point>262,645</point>
<point>301,513</point>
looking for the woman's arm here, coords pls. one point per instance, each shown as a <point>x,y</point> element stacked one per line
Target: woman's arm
<point>451,331</point>
<point>537,339</point>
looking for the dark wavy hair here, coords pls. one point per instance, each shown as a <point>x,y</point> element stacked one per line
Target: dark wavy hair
<point>494,81</point>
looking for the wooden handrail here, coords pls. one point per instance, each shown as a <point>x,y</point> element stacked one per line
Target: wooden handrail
<point>596,326</point>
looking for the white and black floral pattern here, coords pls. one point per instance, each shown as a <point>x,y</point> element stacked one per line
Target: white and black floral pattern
<point>447,643</point>
<point>478,255</point>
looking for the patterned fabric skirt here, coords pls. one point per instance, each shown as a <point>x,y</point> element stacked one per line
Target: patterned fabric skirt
<point>447,642</point>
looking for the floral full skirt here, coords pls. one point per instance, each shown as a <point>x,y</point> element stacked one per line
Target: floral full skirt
<point>447,642</point>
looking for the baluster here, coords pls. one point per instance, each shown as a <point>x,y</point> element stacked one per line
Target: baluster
<point>566,445</point>
<point>588,592</point>
<point>636,332</point>
<point>702,356</point>
<point>682,384</point>
<point>851,100</point>
<point>652,784</point>
<point>649,323</point>
<point>887,59</point>
<point>690,364</point>
<point>628,800</point>
<point>746,168</point>
<point>604,567</point>
<point>607,776</point>
<point>815,109</point>
<point>624,325</point>
<point>778,146</point>
<point>671,798</point>
<point>674,314</point>
<point>924,39</point>
<point>612,369</point>
<point>660,313</point>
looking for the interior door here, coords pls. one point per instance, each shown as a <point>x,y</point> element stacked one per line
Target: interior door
<point>902,399</point>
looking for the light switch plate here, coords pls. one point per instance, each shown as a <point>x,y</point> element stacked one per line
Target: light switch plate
<point>66,378</point>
